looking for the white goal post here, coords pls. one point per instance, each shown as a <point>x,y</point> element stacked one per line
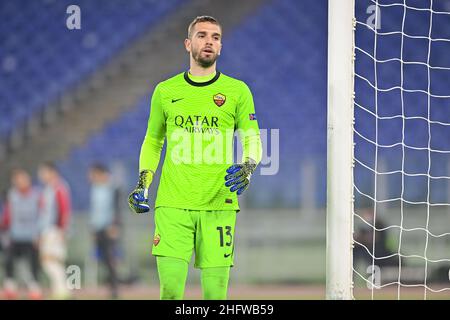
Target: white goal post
<point>339,234</point>
<point>388,145</point>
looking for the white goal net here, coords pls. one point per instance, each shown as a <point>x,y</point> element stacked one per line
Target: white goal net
<point>401,135</point>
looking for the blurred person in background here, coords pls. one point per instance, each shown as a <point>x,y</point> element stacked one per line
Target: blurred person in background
<point>364,235</point>
<point>3,235</point>
<point>20,225</point>
<point>105,220</point>
<point>54,220</point>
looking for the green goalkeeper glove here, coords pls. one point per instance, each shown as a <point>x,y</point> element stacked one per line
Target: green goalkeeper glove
<point>138,199</point>
<point>238,177</point>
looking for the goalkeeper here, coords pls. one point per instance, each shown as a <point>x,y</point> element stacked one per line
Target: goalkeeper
<point>196,203</point>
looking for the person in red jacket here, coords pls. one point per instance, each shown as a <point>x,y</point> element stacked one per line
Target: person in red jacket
<point>54,220</point>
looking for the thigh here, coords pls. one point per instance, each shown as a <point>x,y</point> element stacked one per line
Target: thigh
<point>12,252</point>
<point>100,242</point>
<point>28,250</point>
<point>52,244</point>
<point>174,233</point>
<point>214,246</point>
<point>20,250</point>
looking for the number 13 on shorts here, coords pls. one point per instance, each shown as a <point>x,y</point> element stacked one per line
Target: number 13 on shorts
<point>215,239</point>
<point>228,234</point>
<point>225,240</point>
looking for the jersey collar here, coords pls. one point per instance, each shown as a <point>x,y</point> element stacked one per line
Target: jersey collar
<point>201,84</point>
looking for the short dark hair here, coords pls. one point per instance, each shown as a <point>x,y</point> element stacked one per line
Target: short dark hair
<point>100,167</point>
<point>202,19</point>
<point>50,165</point>
<point>18,170</point>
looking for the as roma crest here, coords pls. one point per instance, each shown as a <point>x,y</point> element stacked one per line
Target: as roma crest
<point>219,99</point>
<point>156,239</point>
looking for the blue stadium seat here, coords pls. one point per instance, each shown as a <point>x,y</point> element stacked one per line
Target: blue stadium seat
<point>46,63</point>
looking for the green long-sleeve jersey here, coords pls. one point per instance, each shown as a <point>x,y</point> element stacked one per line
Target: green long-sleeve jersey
<point>198,117</point>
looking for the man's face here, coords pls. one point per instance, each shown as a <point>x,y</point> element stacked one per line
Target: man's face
<point>93,176</point>
<point>21,180</point>
<point>205,43</point>
<point>45,175</point>
<point>98,177</point>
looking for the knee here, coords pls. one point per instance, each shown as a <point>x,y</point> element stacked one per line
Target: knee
<point>215,283</point>
<point>172,277</point>
<point>172,289</point>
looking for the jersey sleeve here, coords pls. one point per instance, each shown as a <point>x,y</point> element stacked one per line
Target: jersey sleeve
<point>6,216</point>
<point>154,137</point>
<point>64,207</point>
<point>247,126</point>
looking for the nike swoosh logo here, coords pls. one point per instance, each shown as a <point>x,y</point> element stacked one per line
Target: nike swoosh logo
<point>175,100</point>
<point>226,255</point>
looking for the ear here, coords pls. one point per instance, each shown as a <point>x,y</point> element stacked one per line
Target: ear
<point>220,49</point>
<point>187,44</point>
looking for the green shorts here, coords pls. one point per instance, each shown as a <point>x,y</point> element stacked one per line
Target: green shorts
<point>210,233</point>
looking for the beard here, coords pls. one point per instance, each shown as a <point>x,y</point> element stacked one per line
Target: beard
<point>204,62</point>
